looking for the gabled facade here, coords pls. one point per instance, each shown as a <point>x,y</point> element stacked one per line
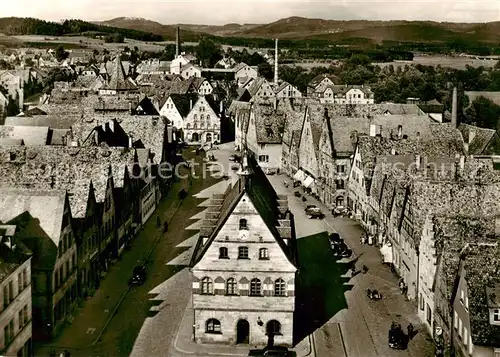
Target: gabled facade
<point>178,62</point>
<point>242,72</point>
<point>190,70</point>
<point>264,137</point>
<point>172,111</point>
<point>244,267</point>
<point>202,124</point>
<point>261,89</point>
<point>202,86</point>
<point>320,83</point>
<point>347,94</point>
<point>308,160</point>
<point>286,90</point>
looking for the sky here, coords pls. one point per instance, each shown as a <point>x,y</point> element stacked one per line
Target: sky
<point>254,11</point>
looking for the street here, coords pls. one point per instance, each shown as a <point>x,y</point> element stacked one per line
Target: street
<point>334,317</point>
<point>333,305</point>
<point>117,312</point>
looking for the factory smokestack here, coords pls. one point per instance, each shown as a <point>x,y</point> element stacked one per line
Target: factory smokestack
<point>177,42</point>
<point>454,108</point>
<point>276,62</point>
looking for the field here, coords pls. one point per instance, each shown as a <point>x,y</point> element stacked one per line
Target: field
<point>444,61</point>
<point>82,41</point>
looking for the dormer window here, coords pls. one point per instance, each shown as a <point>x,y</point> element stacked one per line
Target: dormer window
<point>243,224</point>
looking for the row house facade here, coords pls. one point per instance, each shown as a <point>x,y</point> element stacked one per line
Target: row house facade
<point>107,205</point>
<point>244,266</point>
<point>264,136</point>
<point>457,297</point>
<point>15,287</point>
<point>44,220</point>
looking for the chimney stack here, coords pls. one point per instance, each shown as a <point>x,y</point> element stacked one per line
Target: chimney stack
<point>276,62</point>
<point>177,42</point>
<point>454,108</point>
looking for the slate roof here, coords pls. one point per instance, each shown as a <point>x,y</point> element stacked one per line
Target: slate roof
<point>255,86</point>
<point>316,80</point>
<point>269,124</point>
<point>11,142</point>
<point>197,82</point>
<point>269,205</point>
<point>483,141</point>
<point>30,135</point>
<point>65,168</point>
<point>239,66</point>
<point>118,80</point>
<point>117,103</point>
<point>51,121</point>
<point>45,205</point>
<point>183,103</point>
<point>10,259</point>
<point>482,267</point>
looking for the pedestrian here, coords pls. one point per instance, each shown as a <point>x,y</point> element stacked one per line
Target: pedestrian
<point>158,221</point>
<point>401,286</point>
<point>353,270</point>
<point>364,269</point>
<point>165,226</point>
<point>362,240</point>
<point>411,330</point>
<point>370,239</point>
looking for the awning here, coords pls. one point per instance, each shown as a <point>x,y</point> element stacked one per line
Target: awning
<point>386,252</point>
<point>299,176</point>
<point>308,181</point>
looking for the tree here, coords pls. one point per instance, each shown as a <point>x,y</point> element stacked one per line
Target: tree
<point>61,54</point>
<point>484,113</point>
<point>114,37</point>
<point>266,70</point>
<point>208,52</point>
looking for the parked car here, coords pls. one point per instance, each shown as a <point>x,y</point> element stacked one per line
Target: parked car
<point>138,275</point>
<point>396,338</point>
<point>310,207</point>
<point>297,194</point>
<point>234,158</point>
<point>335,237</point>
<point>272,352</point>
<point>315,213</point>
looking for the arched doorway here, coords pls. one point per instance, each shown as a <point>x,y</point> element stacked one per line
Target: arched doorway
<point>242,331</point>
<point>195,137</point>
<point>208,137</point>
<point>339,201</point>
<point>273,328</point>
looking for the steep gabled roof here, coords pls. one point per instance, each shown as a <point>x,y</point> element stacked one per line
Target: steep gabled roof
<point>483,141</point>
<point>481,263</point>
<point>118,81</point>
<point>268,204</point>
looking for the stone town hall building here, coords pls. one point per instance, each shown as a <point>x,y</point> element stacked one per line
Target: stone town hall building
<point>244,266</point>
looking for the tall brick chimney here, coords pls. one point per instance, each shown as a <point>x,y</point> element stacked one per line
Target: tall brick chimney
<point>177,42</point>
<point>276,62</point>
<point>454,108</point>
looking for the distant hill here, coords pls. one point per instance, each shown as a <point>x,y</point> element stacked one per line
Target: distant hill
<point>31,26</point>
<point>232,29</point>
<point>292,28</point>
<point>418,31</point>
<point>168,32</point>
